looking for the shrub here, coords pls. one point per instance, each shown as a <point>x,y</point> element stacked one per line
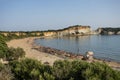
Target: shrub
<point>76,70</point>
<point>3,47</point>
<point>29,69</point>
<point>5,72</point>
<point>15,53</point>
<point>61,70</point>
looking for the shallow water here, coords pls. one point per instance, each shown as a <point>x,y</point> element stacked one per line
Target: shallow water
<point>104,46</point>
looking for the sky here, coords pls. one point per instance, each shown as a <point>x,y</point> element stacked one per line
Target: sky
<point>29,15</point>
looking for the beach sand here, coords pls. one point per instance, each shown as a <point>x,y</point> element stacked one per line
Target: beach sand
<point>27,44</point>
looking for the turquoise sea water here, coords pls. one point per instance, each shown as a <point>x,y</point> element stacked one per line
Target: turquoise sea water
<point>104,46</point>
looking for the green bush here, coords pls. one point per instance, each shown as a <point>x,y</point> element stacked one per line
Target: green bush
<point>3,47</point>
<point>5,72</point>
<point>29,69</point>
<point>11,36</point>
<point>63,70</point>
<point>81,70</point>
<point>15,53</point>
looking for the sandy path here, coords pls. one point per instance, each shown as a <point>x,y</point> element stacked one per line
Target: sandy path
<point>26,44</point>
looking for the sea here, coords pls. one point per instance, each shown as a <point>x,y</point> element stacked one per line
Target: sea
<point>105,47</point>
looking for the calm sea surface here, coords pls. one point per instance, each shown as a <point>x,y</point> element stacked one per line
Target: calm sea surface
<point>105,47</point>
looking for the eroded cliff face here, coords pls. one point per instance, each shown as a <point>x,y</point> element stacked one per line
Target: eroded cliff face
<point>72,30</point>
<point>77,30</point>
<point>51,33</point>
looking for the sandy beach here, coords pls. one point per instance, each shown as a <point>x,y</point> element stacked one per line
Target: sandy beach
<point>26,44</point>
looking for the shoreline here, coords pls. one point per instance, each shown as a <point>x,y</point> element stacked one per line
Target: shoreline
<point>71,56</point>
<point>27,45</point>
<point>35,52</point>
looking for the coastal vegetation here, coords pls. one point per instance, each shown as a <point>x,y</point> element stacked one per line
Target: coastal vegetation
<point>3,47</point>
<point>11,53</point>
<point>15,53</point>
<point>29,69</point>
<point>5,72</point>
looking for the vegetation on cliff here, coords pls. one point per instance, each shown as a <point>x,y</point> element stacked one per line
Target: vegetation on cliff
<point>20,34</point>
<point>74,26</point>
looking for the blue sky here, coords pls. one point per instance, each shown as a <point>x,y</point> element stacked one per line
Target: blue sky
<point>56,14</point>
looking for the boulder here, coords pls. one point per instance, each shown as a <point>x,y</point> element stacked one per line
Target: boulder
<point>111,33</point>
<point>89,56</point>
<point>118,32</point>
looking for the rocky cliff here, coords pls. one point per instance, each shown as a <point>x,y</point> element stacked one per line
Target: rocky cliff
<point>72,30</point>
<point>69,31</point>
<point>108,31</point>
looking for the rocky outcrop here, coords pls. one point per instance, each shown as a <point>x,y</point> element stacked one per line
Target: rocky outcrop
<point>77,30</point>
<point>108,31</point>
<point>118,32</point>
<point>89,56</point>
